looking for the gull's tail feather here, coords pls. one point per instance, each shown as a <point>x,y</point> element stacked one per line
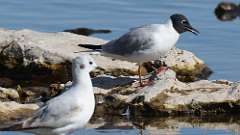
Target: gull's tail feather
<point>90,46</point>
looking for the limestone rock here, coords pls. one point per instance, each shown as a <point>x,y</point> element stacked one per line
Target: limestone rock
<point>166,96</point>
<point>8,94</point>
<point>202,96</point>
<point>13,110</point>
<point>188,67</point>
<point>24,52</point>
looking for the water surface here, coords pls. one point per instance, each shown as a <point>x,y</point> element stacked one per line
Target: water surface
<point>215,125</point>
<point>218,43</point>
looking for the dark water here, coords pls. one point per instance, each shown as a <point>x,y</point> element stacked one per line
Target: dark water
<point>218,45</point>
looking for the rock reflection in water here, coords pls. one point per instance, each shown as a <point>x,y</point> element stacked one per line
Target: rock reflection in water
<point>156,125</point>
<point>169,125</point>
<point>227,11</point>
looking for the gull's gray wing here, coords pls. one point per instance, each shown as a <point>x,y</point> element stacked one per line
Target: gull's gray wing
<point>136,39</point>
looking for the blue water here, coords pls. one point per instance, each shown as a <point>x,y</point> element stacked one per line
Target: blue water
<point>184,131</point>
<point>218,44</point>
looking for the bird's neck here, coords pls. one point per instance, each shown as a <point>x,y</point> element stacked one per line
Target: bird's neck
<point>171,26</point>
<point>81,78</point>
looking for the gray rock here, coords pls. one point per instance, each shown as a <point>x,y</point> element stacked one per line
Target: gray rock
<point>24,52</point>
<point>198,97</point>
<point>168,96</point>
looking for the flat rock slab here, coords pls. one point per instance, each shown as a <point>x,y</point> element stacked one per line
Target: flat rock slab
<point>198,97</point>
<point>24,52</point>
<point>12,110</point>
<point>168,96</point>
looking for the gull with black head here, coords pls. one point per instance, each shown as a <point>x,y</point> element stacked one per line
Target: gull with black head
<point>147,42</point>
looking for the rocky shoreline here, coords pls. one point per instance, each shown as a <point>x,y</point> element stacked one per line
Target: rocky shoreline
<point>40,59</point>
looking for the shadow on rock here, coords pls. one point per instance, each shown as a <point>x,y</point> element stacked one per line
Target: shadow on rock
<point>227,11</point>
<point>109,82</point>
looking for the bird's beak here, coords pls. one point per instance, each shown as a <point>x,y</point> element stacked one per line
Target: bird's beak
<point>191,29</point>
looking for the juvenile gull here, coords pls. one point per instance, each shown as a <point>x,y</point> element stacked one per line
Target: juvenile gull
<point>147,42</point>
<point>73,108</point>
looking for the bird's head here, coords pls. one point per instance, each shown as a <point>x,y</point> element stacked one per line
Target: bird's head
<point>181,24</point>
<point>84,63</point>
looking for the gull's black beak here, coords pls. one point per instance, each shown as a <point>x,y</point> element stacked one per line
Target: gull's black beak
<point>191,29</point>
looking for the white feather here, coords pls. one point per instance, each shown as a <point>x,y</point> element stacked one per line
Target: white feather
<point>73,108</point>
<point>161,37</point>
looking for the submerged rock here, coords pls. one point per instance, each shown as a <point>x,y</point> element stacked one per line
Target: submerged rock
<point>30,55</point>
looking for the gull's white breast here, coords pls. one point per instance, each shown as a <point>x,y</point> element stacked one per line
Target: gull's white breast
<point>164,38</point>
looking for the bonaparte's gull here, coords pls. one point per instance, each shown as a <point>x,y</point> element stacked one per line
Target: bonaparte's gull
<point>147,42</point>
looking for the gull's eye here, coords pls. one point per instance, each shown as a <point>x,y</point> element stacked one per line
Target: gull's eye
<point>184,22</point>
<point>90,62</point>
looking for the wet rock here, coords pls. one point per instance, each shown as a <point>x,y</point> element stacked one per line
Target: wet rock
<point>166,96</point>
<point>87,31</point>
<point>30,55</point>
<point>198,97</point>
<point>14,111</point>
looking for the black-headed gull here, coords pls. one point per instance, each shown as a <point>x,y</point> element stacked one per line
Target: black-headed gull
<point>147,42</point>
